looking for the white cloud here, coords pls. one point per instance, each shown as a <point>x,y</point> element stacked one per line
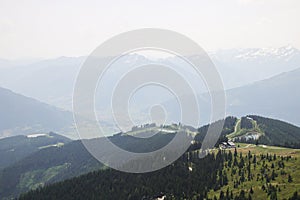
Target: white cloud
<point>251,1</point>
<point>6,25</point>
<point>264,21</point>
<point>54,28</point>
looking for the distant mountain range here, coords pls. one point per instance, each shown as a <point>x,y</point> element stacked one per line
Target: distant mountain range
<point>51,81</point>
<point>239,67</point>
<point>23,115</point>
<point>276,97</point>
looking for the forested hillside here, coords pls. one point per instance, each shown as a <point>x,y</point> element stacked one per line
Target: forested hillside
<point>55,164</point>
<point>46,166</point>
<point>277,132</point>
<point>260,130</point>
<point>15,148</point>
<point>220,175</point>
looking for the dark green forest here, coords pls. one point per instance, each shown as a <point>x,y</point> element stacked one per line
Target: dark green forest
<point>277,133</point>
<point>55,164</point>
<point>217,176</point>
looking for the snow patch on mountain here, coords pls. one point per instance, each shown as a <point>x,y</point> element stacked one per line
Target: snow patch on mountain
<point>36,135</point>
<point>280,53</point>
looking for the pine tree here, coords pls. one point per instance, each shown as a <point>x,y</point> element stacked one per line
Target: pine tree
<point>235,162</point>
<point>273,175</point>
<point>222,195</point>
<point>242,194</point>
<point>249,155</point>
<point>273,195</point>
<point>290,178</point>
<point>272,166</point>
<point>251,190</point>
<point>295,196</point>
<point>227,193</point>
<point>254,159</point>
<point>249,197</point>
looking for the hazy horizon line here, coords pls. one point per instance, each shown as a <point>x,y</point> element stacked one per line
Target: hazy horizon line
<point>209,51</point>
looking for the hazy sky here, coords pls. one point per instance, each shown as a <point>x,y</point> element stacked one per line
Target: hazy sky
<point>51,28</point>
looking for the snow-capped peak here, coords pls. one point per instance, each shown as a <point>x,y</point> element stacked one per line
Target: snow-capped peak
<point>283,53</point>
<point>36,135</point>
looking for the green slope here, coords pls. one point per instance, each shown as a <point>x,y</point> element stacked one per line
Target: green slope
<point>190,178</point>
<point>256,129</point>
<point>53,164</point>
<point>15,148</point>
<point>246,129</point>
<point>277,132</point>
<point>47,165</point>
<point>268,177</point>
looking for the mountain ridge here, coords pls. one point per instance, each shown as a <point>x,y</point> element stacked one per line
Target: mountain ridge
<point>13,149</point>
<point>21,115</point>
<point>47,73</point>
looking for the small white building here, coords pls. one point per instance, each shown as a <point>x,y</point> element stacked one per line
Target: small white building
<point>227,145</point>
<point>231,144</point>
